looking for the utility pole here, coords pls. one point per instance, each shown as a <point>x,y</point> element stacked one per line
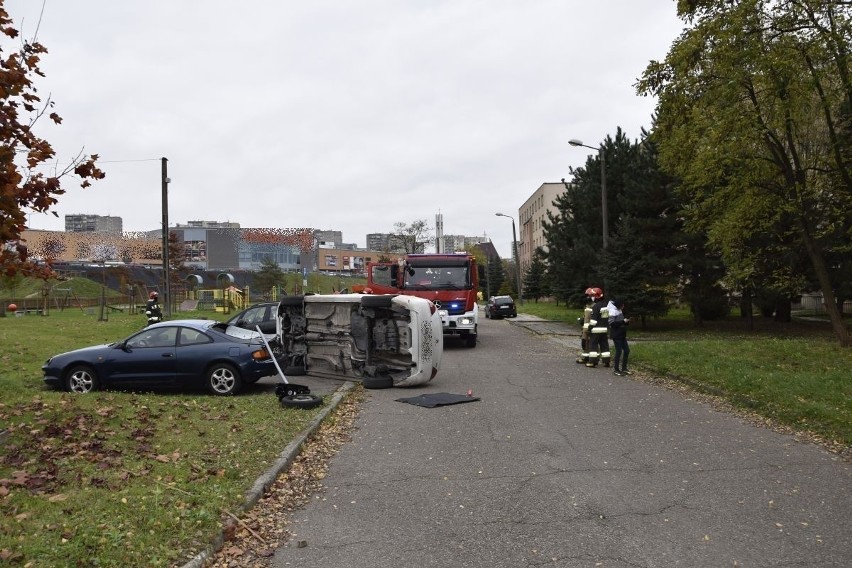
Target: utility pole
<point>167,296</point>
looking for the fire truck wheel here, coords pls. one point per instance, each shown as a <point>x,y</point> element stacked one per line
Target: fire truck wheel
<point>292,300</point>
<point>380,382</point>
<point>383,301</point>
<point>470,340</point>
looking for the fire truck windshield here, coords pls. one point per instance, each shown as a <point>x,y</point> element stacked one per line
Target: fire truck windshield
<point>437,277</point>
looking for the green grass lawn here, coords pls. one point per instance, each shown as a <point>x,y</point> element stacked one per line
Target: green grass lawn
<point>120,476</point>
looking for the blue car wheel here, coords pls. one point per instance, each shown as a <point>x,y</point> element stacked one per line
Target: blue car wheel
<point>223,379</point>
<point>81,379</point>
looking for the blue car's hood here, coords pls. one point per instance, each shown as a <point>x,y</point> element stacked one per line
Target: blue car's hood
<point>91,349</point>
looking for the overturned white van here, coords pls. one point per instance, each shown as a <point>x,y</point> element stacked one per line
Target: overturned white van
<point>382,340</point>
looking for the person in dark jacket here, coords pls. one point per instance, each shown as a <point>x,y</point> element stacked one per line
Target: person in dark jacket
<point>152,308</point>
<point>618,334</point>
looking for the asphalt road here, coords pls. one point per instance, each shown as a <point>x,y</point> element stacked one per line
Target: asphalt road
<point>560,465</point>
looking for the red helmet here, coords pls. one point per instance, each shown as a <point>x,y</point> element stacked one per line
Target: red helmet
<point>153,294</point>
<point>595,293</point>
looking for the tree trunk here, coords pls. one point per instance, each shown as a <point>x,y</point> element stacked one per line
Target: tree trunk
<point>818,262</point>
<point>784,310</point>
<point>747,308</point>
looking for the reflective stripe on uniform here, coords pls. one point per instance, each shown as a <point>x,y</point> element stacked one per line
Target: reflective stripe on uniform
<point>598,330</point>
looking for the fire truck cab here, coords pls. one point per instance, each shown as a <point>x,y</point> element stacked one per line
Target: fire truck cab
<point>450,281</point>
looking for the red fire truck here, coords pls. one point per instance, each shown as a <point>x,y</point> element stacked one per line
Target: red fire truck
<point>450,281</point>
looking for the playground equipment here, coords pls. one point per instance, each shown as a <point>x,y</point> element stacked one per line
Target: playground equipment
<point>224,299</point>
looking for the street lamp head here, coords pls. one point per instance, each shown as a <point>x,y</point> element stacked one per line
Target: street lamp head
<point>501,214</point>
<point>575,142</point>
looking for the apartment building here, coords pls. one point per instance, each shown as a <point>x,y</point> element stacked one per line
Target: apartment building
<point>532,215</point>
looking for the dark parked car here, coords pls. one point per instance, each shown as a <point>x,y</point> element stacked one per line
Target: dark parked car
<point>169,354</point>
<point>500,307</point>
<point>264,315</point>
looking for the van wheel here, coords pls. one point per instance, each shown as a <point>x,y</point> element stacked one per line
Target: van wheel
<point>380,382</point>
<point>383,301</point>
<point>295,370</point>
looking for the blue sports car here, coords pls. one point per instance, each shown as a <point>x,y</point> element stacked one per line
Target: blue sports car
<point>169,354</point>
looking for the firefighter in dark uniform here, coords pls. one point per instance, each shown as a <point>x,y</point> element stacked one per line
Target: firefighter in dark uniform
<point>586,327</point>
<point>598,343</point>
<point>152,308</point>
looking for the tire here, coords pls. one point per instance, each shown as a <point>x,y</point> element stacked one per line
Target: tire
<point>292,300</point>
<point>304,401</point>
<point>380,382</point>
<point>81,379</point>
<point>223,379</point>
<point>295,370</point>
<point>382,301</point>
<point>470,340</point>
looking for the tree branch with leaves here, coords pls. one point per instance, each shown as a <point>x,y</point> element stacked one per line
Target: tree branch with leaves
<point>755,119</point>
<point>22,186</point>
<point>412,238</point>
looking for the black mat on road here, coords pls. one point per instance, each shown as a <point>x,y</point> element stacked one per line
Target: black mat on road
<point>437,399</point>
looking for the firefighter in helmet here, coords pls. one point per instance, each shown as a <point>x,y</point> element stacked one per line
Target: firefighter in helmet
<point>598,322</point>
<point>152,308</point>
<point>586,326</point>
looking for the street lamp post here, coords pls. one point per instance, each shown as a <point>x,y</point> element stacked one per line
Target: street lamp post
<point>517,258</point>
<point>167,289</point>
<point>604,215</point>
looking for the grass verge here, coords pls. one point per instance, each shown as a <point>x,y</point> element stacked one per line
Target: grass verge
<point>793,373</point>
<point>111,478</point>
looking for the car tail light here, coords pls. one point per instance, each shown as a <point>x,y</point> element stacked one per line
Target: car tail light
<point>260,355</point>
<point>432,309</point>
<point>434,372</point>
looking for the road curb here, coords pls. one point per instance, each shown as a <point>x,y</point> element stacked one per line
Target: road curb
<point>266,479</point>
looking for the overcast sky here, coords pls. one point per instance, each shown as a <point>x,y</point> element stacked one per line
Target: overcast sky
<point>344,115</point>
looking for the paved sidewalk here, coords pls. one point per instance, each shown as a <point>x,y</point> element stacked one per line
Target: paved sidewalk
<point>561,465</point>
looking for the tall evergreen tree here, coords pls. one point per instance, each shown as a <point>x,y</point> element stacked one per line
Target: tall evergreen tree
<point>268,276</point>
<point>575,254</point>
<point>646,252</point>
<point>496,276</point>
<point>630,275</point>
<point>536,283</point>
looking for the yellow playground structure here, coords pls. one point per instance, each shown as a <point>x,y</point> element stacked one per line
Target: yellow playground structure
<point>225,298</point>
